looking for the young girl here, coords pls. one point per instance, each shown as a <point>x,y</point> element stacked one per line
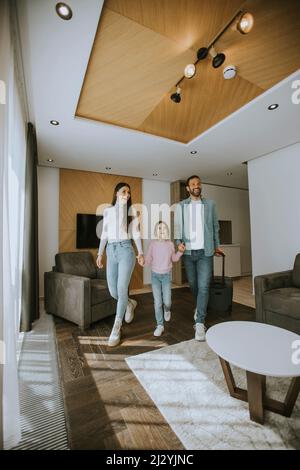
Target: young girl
<point>118,230</point>
<point>160,255</point>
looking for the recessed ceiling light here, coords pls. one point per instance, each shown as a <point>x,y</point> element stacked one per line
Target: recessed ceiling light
<point>54,123</point>
<point>155,174</point>
<point>273,106</point>
<point>108,167</point>
<point>50,160</point>
<point>193,152</point>
<point>64,11</point>
<point>229,173</point>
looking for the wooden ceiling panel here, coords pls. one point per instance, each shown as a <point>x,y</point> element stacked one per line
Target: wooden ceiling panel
<point>271,51</point>
<point>206,100</point>
<point>191,23</point>
<point>130,69</point>
<point>142,46</point>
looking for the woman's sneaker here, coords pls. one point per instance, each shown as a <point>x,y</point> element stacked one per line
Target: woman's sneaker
<point>115,335</point>
<point>199,332</point>
<point>130,310</point>
<point>158,330</point>
<point>167,315</point>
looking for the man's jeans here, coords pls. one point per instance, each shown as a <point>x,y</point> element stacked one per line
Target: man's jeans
<point>119,267</point>
<point>199,271</point>
<point>161,288</point>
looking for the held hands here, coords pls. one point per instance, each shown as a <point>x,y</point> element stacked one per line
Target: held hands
<point>141,260</point>
<point>219,252</point>
<point>99,262</point>
<point>181,247</point>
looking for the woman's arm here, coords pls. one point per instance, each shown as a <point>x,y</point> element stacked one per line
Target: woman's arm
<point>104,235</point>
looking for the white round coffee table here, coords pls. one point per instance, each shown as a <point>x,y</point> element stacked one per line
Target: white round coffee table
<point>262,350</point>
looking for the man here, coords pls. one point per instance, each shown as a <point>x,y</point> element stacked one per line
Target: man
<point>197,226</point>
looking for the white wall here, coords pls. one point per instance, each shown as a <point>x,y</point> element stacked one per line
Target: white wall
<point>274,188</point>
<point>233,204</point>
<point>48,202</point>
<point>153,192</point>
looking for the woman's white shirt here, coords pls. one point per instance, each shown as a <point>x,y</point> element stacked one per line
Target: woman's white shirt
<point>115,227</point>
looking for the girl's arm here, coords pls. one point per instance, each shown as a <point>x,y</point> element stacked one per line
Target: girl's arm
<point>149,255</point>
<point>175,256</point>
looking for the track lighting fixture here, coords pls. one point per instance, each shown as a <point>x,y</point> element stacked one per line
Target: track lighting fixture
<point>218,58</point>
<point>176,97</point>
<point>202,53</point>
<point>245,23</point>
<point>189,71</point>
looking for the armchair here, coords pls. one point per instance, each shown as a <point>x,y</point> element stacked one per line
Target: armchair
<point>277,297</point>
<point>76,290</point>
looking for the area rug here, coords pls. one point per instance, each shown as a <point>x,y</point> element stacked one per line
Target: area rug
<point>186,383</point>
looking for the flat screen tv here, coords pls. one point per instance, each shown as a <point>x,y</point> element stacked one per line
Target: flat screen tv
<point>86,230</point>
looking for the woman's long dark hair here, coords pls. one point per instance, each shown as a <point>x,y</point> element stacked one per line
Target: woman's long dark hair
<point>129,202</point>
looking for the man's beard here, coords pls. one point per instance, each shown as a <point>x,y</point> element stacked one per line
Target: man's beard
<point>195,192</point>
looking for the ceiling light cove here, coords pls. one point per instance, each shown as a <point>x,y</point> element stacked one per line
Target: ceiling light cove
<point>64,11</point>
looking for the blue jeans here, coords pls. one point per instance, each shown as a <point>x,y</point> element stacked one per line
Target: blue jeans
<point>119,268</point>
<point>161,288</point>
<point>199,271</point>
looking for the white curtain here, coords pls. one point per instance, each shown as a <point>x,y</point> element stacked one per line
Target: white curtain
<point>12,154</point>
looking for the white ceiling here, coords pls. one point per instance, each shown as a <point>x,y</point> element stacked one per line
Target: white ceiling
<point>55,56</point>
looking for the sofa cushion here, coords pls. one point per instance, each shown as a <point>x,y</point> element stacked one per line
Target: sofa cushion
<point>79,263</point>
<point>285,301</point>
<point>296,272</point>
<point>99,291</point>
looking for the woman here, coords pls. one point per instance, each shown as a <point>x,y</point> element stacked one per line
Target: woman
<point>119,227</point>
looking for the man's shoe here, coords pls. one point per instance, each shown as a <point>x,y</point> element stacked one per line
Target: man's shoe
<point>159,330</point>
<point>199,332</point>
<point>130,310</point>
<point>167,315</point>
<point>115,335</point>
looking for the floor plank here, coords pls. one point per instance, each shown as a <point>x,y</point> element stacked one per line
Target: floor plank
<point>106,406</point>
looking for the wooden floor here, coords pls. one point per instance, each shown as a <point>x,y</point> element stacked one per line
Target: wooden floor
<point>106,406</point>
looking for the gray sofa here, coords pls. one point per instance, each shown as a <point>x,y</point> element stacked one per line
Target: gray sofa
<point>277,297</point>
<point>76,290</point>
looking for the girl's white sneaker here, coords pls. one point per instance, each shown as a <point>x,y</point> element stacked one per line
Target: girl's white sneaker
<point>167,315</point>
<point>158,330</point>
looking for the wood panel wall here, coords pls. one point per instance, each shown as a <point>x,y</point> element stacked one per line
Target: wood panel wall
<point>82,192</point>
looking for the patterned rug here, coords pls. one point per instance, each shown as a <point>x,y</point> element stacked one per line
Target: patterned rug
<point>186,383</point>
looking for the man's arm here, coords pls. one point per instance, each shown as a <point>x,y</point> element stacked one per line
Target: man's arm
<point>216,227</point>
<point>178,229</point>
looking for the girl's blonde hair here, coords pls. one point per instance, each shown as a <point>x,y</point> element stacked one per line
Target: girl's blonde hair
<point>157,225</point>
